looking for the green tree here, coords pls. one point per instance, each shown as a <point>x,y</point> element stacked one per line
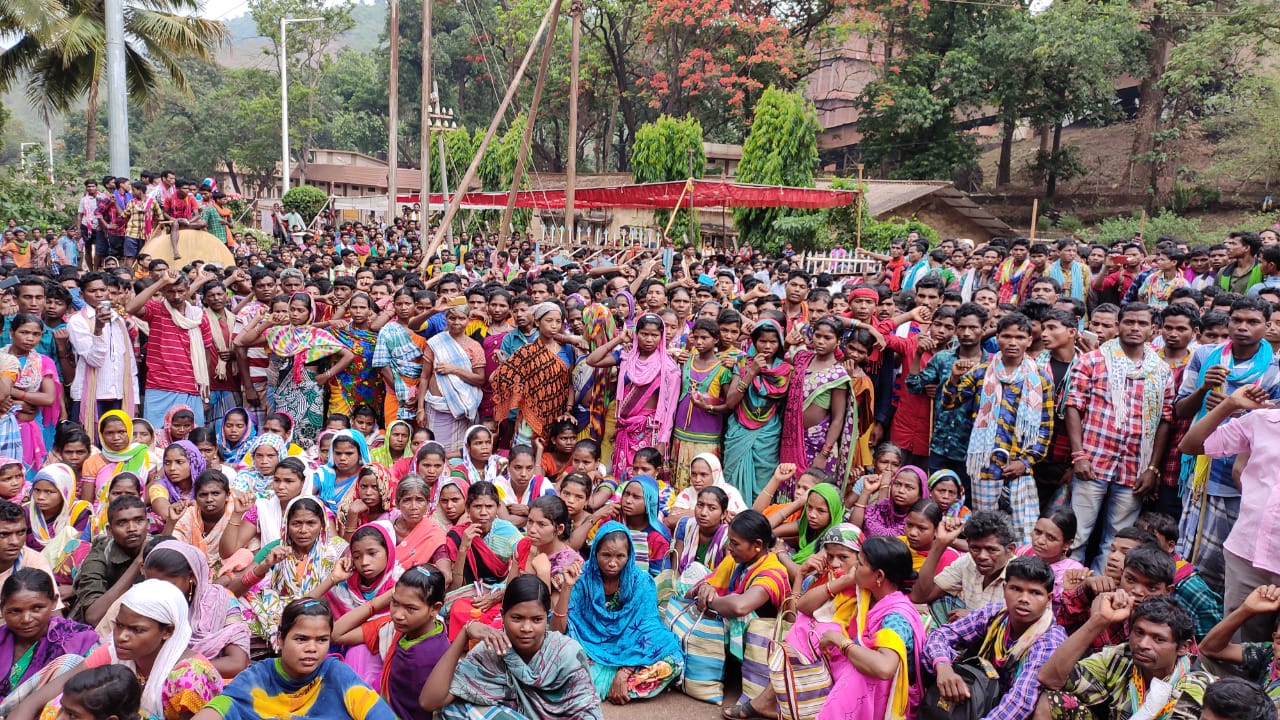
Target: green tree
<point>60,51</point>
<point>305,200</point>
<point>782,149</point>
<point>665,150</point>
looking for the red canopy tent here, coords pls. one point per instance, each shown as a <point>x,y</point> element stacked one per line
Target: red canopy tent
<point>659,196</point>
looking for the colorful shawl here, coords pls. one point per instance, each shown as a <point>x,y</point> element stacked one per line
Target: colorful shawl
<point>296,575</point>
<point>957,509</point>
<point>455,477</point>
<point>1009,279</point>
<point>250,480</point>
<point>554,685</point>
<point>314,344</point>
<point>596,392</point>
<point>640,377</point>
<point>1153,372</point>
<point>490,556</point>
<point>328,481</point>
<point>536,381</point>
<point>457,397</point>
<point>358,381</point>
<point>195,459</point>
<point>899,695</point>
<point>190,530</point>
<point>881,519</point>
<point>55,542</point>
<point>687,532</point>
<point>809,536</point>
<point>397,350</point>
<point>421,544</point>
<point>353,593</point>
<point>33,368</point>
<point>767,389</point>
<point>800,396</point>
<point>734,578</point>
<point>134,458</point>
<point>233,452</point>
<point>333,691</point>
<point>216,620</point>
<point>995,645</point>
<point>631,636</point>
<point>1251,371</point>
<point>382,476</point>
<point>1073,287</point>
<point>982,443</point>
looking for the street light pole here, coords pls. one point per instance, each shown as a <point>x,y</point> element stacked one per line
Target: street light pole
<point>117,90</point>
<point>284,97</point>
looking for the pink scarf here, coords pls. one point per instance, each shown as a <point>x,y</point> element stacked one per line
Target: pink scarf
<point>660,372</point>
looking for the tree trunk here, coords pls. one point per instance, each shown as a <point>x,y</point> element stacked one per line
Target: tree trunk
<point>1004,174</point>
<point>1051,183</point>
<point>1150,103</point>
<point>91,123</point>
<point>231,175</point>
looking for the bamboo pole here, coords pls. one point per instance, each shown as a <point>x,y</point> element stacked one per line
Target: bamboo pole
<point>571,168</point>
<point>393,112</point>
<point>666,232</point>
<point>470,174</point>
<point>1142,227</point>
<point>861,199</point>
<point>522,153</point>
<point>1035,215</point>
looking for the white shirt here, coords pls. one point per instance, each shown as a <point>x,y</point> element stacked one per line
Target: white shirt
<point>106,352</point>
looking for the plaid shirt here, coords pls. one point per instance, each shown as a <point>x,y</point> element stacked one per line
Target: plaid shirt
<point>1104,681</point>
<point>1019,680</point>
<point>1112,437</point>
<point>951,428</point>
<point>1204,604</point>
<point>139,213</point>
<point>1172,469</point>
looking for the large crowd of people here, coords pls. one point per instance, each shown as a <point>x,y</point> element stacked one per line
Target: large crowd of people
<point>339,479</point>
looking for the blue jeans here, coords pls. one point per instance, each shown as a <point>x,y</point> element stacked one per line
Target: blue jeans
<point>1092,500</point>
<point>157,403</point>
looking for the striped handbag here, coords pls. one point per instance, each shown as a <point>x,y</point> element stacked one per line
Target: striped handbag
<point>702,637</point>
<point>801,678</point>
<point>761,635</point>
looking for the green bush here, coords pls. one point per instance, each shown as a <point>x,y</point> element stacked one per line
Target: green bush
<point>1162,223</point>
<point>305,200</point>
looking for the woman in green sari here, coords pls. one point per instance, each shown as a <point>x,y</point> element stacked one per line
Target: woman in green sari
<point>757,396</point>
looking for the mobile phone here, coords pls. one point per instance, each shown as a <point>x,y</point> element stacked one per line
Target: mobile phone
<point>1120,259</point>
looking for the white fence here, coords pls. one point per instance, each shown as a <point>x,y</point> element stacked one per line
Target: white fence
<point>847,265</point>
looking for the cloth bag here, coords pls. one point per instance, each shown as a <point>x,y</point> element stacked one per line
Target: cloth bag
<point>702,637</point>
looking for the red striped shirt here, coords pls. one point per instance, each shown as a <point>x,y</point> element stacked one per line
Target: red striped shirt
<point>169,365</point>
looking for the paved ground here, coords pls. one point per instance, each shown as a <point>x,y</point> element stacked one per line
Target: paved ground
<point>671,705</point>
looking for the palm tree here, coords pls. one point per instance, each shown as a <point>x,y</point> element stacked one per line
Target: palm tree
<point>61,51</point>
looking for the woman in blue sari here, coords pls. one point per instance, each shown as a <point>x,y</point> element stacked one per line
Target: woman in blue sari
<point>757,396</point>
<point>348,454</point>
<point>613,614</point>
<point>650,538</point>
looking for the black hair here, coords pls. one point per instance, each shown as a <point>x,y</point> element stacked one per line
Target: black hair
<point>482,489</point>
<point>28,579</point>
<point>526,588</point>
<point>1065,519</point>
<point>1160,524</point>
<point>24,318</point>
<point>1067,319</point>
<point>309,504</point>
<point>1014,319</point>
<point>369,532</point>
<point>1251,302</point>
<point>1213,318</point>
<point>929,508</point>
<point>649,319</point>
<point>649,455</point>
<point>892,557</point>
<point>1164,610</point>
<point>974,310</point>
<point>1135,307</point>
<point>521,450</point>
<point>578,478</point>
<point>1133,532</point>
<point>1031,569</point>
<point>294,465</point>
<point>1152,561</point>
<point>556,511</point>
<point>429,448</point>
<point>589,445</point>
<point>202,435</point>
<point>11,512</point>
<point>860,336</point>
<point>710,327</point>
<point>300,608</point>
<point>819,475</point>
<point>1247,238</point>
<point>122,503</point>
<point>1234,697</point>
<point>106,691</point>
<point>931,282</point>
<point>211,477</point>
<point>1106,309</point>
<point>722,497</point>
<point>752,526</point>
<point>989,524</point>
<point>363,410</point>
<point>427,580</point>
<point>559,426</point>
<point>1182,310</point>
<point>168,562</point>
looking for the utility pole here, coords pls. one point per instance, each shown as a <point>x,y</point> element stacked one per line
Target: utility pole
<point>440,120</point>
<point>117,91</point>
<point>393,114</point>
<point>571,169</point>
<point>284,97</point>
<point>424,129</point>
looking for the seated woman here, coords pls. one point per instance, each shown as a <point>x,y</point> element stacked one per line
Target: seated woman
<point>479,461</point>
<point>265,453</point>
<point>946,490</point>
<point>418,538</point>
<point>181,464</point>
<point>218,630</point>
<point>544,551</point>
<point>58,520</point>
<point>822,511</point>
<point>206,441</point>
<point>34,638</point>
<point>348,453</point>
<point>702,538</point>
<point>750,583</point>
<point>612,604</point>
<point>103,693</point>
<point>119,454</point>
<point>450,503</point>
<point>256,522</point>
<point>14,487</point>
<point>521,485</point>
<point>396,445</point>
<point>365,575</point>
<point>368,500</point>
<point>303,682</point>
<point>887,516</point>
<point>151,637</point>
<point>406,464</point>
<point>704,472</point>
<point>290,568</point>
<point>522,672</point>
<point>1051,541</point>
<point>480,551</point>
<point>639,512</point>
<point>918,532</point>
<point>203,522</point>
<point>410,643</point>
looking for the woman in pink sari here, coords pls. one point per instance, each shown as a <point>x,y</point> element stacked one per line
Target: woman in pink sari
<point>648,388</point>
<point>36,390</point>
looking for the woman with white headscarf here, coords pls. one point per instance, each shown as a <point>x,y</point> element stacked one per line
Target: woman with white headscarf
<point>150,636</point>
